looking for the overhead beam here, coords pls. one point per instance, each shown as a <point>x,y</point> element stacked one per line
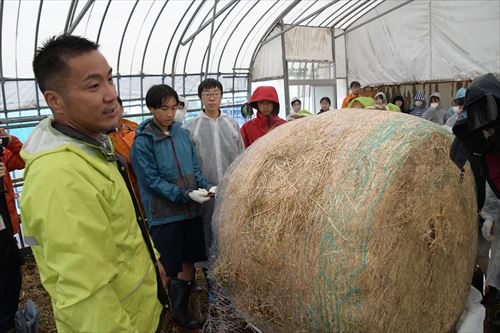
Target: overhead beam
<point>79,17</point>
<point>226,7</point>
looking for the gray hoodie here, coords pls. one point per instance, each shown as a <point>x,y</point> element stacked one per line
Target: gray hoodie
<point>435,114</point>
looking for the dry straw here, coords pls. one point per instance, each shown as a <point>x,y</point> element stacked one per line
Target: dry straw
<point>352,221</point>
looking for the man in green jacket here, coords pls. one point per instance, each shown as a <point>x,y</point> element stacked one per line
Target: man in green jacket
<point>92,250</point>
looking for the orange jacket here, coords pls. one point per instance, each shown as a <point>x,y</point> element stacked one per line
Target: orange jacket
<point>12,161</point>
<point>123,138</point>
<point>347,99</point>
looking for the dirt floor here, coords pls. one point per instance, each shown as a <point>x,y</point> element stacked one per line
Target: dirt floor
<point>32,288</point>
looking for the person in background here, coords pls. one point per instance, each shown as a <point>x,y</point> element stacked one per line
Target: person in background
<point>10,256</point>
<point>457,113</point>
<point>419,107</point>
<point>172,187</point>
<point>297,111</point>
<point>182,109</point>
<point>91,247</point>
<point>325,104</point>
<point>477,134</point>
<point>355,91</point>
<point>381,103</point>
<point>122,137</point>
<point>459,96</point>
<point>435,112</point>
<point>265,100</point>
<point>400,102</point>
<point>218,142</point>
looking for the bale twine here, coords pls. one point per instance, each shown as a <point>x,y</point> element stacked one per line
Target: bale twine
<point>351,221</point>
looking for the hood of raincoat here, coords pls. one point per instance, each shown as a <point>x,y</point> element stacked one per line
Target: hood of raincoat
<point>382,96</point>
<point>436,94</point>
<point>265,93</point>
<point>363,100</point>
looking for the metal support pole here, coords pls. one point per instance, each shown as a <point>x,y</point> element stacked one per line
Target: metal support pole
<point>334,65</point>
<point>211,37</point>
<point>285,70</point>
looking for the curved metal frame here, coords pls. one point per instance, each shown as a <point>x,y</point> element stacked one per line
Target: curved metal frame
<point>216,15</point>
<point>37,97</point>
<point>2,79</point>
<point>71,13</point>
<point>207,50</point>
<point>269,30</point>
<point>182,36</point>
<point>121,46</point>
<point>171,39</point>
<point>232,32</point>
<point>102,21</point>
<point>353,13</point>
<point>334,23</point>
<point>74,24</point>
<point>341,9</point>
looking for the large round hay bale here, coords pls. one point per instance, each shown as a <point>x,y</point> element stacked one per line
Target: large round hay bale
<point>351,221</point>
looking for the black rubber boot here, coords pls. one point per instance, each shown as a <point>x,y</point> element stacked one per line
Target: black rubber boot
<point>492,297</point>
<point>477,279</point>
<point>179,292</point>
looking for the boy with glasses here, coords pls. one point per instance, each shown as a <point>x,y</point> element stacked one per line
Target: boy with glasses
<point>218,142</point>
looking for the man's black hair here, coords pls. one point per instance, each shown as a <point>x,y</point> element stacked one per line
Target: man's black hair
<point>209,84</point>
<point>157,94</point>
<point>49,63</point>
<point>325,99</point>
<point>355,84</point>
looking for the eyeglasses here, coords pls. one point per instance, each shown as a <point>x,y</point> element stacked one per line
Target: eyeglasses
<point>211,95</point>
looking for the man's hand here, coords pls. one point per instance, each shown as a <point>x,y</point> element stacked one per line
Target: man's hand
<point>3,169</point>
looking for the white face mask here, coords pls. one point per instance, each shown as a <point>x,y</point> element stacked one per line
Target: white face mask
<point>434,105</point>
<point>455,109</point>
<point>418,103</point>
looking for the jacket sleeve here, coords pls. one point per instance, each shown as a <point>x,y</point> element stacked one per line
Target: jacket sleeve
<point>146,170</point>
<point>13,160</point>
<point>491,205</point>
<point>77,253</point>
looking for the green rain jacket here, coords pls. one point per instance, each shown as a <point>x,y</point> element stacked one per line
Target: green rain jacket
<point>79,218</point>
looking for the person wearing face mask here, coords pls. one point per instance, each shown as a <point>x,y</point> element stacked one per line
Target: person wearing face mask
<point>457,110</point>
<point>418,108</point>
<point>435,112</point>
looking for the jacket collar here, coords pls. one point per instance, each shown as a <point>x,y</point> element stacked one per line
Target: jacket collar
<point>204,115</point>
<point>150,128</point>
<point>102,143</point>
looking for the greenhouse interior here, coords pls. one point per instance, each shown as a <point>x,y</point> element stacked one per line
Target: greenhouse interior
<point>350,54</point>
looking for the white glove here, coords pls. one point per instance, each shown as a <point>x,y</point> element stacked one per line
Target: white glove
<point>213,190</point>
<point>487,229</point>
<point>200,195</point>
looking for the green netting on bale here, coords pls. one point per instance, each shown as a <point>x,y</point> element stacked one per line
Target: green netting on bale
<point>384,156</point>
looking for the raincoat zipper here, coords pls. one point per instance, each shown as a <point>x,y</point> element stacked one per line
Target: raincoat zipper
<point>181,178</point>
